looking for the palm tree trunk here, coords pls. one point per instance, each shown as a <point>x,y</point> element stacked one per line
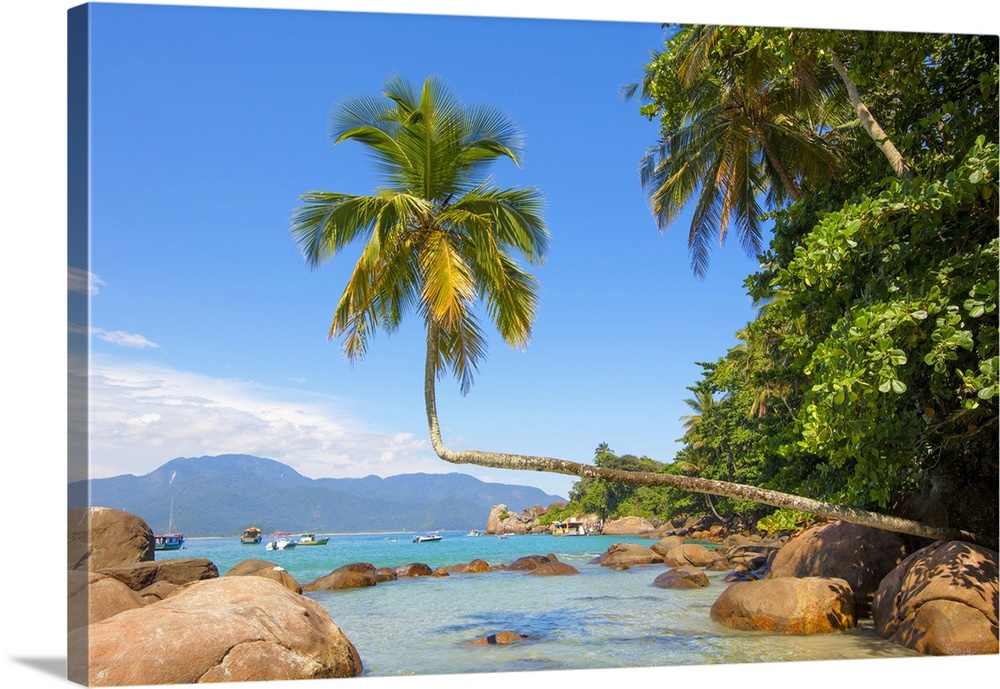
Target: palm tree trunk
<point>642,478</point>
<point>869,122</point>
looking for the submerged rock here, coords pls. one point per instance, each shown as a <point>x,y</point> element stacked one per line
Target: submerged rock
<point>500,638</point>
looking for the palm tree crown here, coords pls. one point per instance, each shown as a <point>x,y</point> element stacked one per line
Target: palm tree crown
<point>439,236</point>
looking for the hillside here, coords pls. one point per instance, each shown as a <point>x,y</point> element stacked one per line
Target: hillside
<point>222,495</point>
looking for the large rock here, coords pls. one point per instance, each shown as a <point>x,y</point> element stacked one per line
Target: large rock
<point>554,569</point>
<point>180,571</point>
<point>619,555</point>
<point>690,555</point>
<point>860,555</point>
<point>666,544</point>
<point>414,569</point>
<point>101,537</point>
<point>230,629</point>
<point>351,576</point>
<point>810,605</point>
<point>101,596</point>
<point>628,526</point>
<point>528,562</point>
<point>941,600</point>
<point>268,570</point>
<point>681,578</point>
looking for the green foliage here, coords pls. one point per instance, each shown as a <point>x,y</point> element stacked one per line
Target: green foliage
<point>784,520</point>
<point>871,372</point>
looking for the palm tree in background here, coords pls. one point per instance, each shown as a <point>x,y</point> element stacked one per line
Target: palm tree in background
<point>741,134</point>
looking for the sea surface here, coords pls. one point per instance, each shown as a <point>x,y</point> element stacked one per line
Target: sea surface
<point>597,619</point>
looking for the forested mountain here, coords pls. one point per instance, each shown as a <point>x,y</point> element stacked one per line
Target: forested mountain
<point>222,495</point>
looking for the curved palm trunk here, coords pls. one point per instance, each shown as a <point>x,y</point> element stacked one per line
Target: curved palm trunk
<point>739,491</point>
<point>869,122</point>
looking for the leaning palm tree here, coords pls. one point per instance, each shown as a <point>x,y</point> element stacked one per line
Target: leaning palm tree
<point>439,236</point>
<point>438,240</point>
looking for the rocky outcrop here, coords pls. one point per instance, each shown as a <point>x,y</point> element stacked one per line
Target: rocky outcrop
<point>810,605</point>
<point>860,555</point>
<point>690,555</point>
<point>666,544</point>
<point>941,600</point>
<point>268,570</point>
<point>351,576</point>
<point>628,526</point>
<point>101,596</point>
<point>624,555</point>
<point>528,562</point>
<point>414,569</point>
<point>682,578</point>
<point>101,537</point>
<point>502,521</point>
<point>554,568</point>
<point>228,629</point>
<point>180,571</point>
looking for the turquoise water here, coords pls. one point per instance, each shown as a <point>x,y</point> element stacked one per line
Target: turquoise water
<point>597,619</point>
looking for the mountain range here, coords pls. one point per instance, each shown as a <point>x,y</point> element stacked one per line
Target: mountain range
<point>222,495</point>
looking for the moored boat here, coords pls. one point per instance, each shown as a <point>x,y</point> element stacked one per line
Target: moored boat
<point>280,544</point>
<point>429,538</point>
<point>250,536</point>
<point>571,527</point>
<point>310,539</point>
<point>170,541</point>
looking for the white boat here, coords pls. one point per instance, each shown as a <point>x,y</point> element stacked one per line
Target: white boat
<point>571,527</point>
<point>280,544</point>
<point>474,532</point>
<point>430,538</point>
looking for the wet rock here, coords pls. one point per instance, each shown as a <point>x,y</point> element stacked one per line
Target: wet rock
<point>689,555</point>
<point>627,554</point>
<point>554,569</point>
<point>414,569</point>
<point>500,638</point>
<point>681,578</point>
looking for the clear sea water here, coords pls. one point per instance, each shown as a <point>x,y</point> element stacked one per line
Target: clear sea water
<point>599,618</point>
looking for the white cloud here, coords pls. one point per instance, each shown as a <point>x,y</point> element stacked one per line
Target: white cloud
<point>141,416</point>
<point>123,339</point>
<point>84,282</point>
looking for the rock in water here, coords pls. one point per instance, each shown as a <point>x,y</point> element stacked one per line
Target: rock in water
<point>230,629</point>
<point>811,605</point>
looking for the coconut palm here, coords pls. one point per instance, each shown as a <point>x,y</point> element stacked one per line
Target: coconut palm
<point>439,237</point>
<point>742,135</point>
<point>439,240</point>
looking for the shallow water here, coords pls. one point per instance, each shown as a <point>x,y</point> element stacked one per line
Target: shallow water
<point>597,619</point>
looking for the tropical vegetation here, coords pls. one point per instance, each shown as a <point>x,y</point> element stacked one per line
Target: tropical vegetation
<point>868,380</point>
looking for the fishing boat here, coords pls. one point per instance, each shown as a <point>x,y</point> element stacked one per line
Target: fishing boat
<point>172,540</point>
<point>250,536</point>
<point>169,541</point>
<point>310,539</point>
<point>429,538</point>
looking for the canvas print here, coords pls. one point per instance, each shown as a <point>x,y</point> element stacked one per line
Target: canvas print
<point>408,345</point>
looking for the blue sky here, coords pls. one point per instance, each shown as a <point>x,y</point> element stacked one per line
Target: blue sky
<point>208,329</point>
<point>264,346</point>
